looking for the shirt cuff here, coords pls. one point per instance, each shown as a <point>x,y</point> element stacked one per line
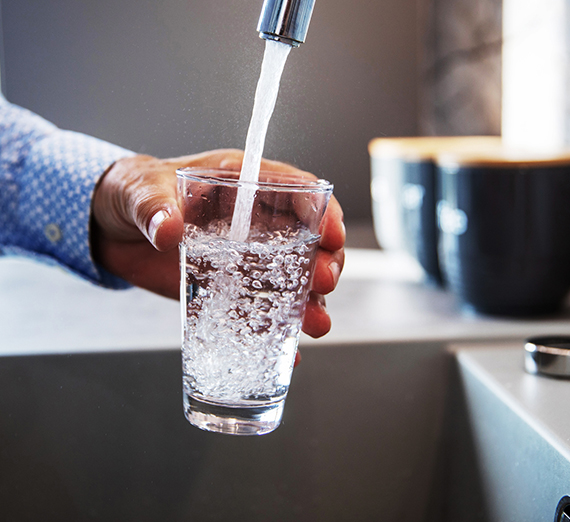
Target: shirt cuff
<point>57,185</point>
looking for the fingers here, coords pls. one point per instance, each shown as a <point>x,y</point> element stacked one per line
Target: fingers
<point>297,358</point>
<point>232,159</point>
<point>140,192</point>
<point>317,321</point>
<point>278,166</point>
<point>328,267</point>
<point>137,199</point>
<point>219,158</point>
<point>329,263</point>
<point>333,232</point>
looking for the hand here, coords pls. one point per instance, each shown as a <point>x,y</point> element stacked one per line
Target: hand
<point>137,226</point>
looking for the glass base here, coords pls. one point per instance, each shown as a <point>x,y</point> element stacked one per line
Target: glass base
<point>233,420</point>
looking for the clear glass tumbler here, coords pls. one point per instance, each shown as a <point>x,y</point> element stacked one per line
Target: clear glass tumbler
<point>243,296</point>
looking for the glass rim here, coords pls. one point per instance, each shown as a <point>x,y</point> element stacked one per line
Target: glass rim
<point>214,175</point>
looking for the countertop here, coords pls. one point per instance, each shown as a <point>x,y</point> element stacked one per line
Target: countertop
<point>511,460</point>
<point>537,400</point>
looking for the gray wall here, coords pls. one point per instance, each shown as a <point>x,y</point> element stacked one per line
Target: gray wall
<point>178,76</point>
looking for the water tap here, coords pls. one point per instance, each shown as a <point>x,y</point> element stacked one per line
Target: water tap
<point>286,21</point>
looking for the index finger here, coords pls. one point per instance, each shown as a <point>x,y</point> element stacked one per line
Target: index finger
<point>333,234</point>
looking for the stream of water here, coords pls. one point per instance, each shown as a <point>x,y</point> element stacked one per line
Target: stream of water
<point>274,60</point>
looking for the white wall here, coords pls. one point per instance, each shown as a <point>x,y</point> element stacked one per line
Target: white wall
<point>178,76</point>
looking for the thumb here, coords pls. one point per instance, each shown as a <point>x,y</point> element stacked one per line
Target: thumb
<point>149,190</point>
<point>138,195</point>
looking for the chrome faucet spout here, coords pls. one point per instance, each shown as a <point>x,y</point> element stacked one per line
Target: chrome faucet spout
<point>286,21</point>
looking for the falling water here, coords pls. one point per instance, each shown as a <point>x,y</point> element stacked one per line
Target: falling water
<point>265,97</point>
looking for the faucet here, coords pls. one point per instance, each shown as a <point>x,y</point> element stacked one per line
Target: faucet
<point>286,21</point>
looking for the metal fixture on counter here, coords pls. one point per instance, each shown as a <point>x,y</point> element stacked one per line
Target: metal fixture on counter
<point>563,510</point>
<point>548,356</point>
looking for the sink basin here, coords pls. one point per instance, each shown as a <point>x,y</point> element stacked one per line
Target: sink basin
<point>103,437</point>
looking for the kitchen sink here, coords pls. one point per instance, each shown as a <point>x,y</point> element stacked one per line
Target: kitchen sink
<point>389,432</point>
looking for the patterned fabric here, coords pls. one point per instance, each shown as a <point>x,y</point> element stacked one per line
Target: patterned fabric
<point>47,179</point>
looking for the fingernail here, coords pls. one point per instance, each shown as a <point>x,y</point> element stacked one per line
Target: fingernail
<point>334,269</point>
<point>155,223</point>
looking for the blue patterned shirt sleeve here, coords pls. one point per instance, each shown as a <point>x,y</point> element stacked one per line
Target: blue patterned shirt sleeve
<point>47,180</point>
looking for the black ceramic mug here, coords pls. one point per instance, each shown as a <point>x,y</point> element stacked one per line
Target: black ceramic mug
<point>504,221</point>
<point>404,193</point>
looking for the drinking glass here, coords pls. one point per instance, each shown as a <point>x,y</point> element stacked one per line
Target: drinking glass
<point>243,301</point>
